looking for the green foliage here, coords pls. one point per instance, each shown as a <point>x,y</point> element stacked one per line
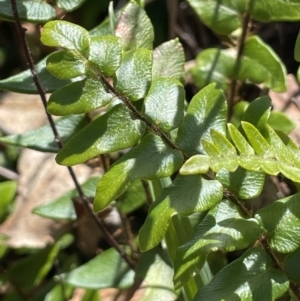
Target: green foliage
<point>66,35</point>
<point>148,160</point>
<point>95,139</point>
<point>297,49</point>
<point>268,153</point>
<point>157,223</point>
<point>32,11</point>
<point>37,265</point>
<point>223,16</point>
<point>58,293</point>
<point>223,228</point>
<point>134,75</point>
<point>156,272</point>
<point>36,11</point>
<point>133,198</point>
<point>207,107</point>
<point>243,183</point>
<point>134,27</point>
<point>7,191</point>
<point>114,272</point>
<point>290,265</point>
<point>69,5</point>
<point>62,208</point>
<point>106,54</point>
<point>280,122</point>
<point>164,104</point>
<point>41,139</point>
<point>258,64</point>
<point>168,61</point>
<point>252,271</point>
<point>218,16</point>
<point>191,162</point>
<point>282,214</point>
<point>79,97</point>
<point>23,83</point>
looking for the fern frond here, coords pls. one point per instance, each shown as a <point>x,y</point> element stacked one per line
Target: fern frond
<point>260,150</point>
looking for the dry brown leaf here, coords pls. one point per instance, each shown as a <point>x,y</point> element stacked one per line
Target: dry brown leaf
<point>286,102</point>
<point>20,113</point>
<point>41,180</point>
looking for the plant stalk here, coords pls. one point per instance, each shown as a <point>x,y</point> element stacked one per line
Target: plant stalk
<point>241,44</point>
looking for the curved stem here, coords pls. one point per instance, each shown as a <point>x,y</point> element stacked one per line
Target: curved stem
<point>21,32</point>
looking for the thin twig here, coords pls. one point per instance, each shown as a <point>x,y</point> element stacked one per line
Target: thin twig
<point>241,44</point>
<point>104,162</point>
<point>236,201</point>
<point>276,262</point>
<point>8,174</point>
<point>266,245</point>
<point>101,225</point>
<point>129,235</point>
<point>109,237</point>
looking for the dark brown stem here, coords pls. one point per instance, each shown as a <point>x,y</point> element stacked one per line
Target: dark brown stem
<point>129,235</point>
<point>276,262</point>
<point>21,34</point>
<point>111,240</point>
<point>236,201</point>
<point>241,44</point>
<point>265,244</point>
<point>57,138</point>
<point>246,19</point>
<point>152,127</point>
<point>105,162</point>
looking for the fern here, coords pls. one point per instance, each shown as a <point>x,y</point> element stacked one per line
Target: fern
<point>262,150</point>
<point>192,167</point>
